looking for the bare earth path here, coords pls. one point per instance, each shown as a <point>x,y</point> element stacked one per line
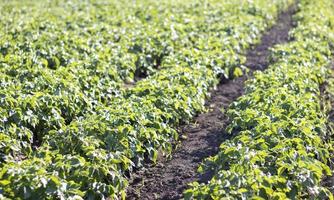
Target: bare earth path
<point>168,179</point>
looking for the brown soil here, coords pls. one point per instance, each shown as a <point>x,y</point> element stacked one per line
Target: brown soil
<point>168,179</point>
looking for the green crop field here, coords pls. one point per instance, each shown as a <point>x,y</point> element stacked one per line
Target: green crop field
<point>93,92</point>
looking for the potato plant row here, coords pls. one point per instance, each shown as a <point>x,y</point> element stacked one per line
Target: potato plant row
<point>68,128</point>
<point>282,147</point>
<point>36,99</point>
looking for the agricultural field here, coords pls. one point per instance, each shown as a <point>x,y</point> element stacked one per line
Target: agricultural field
<point>144,99</point>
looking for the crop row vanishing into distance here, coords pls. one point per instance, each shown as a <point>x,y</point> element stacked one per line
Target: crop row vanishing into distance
<point>72,125</point>
<point>282,146</point>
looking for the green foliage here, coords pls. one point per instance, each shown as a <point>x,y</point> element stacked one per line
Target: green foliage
<point>71,127</point>
<point>281,149</point>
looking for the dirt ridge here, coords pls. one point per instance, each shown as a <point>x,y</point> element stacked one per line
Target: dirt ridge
<point>168,179</point>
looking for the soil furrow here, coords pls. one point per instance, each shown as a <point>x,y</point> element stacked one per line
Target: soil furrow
<point>168,179</point>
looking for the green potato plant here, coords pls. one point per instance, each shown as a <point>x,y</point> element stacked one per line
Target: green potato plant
<point>89,90</point>
<point>282,147</point>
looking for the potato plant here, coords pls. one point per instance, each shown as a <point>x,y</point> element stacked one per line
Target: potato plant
<point>282,147</point>
<point>73,124</point>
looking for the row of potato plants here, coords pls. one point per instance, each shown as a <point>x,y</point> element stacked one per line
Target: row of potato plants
<point>281,148</point>
<point>36,99</point>
<point>64,138</point>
